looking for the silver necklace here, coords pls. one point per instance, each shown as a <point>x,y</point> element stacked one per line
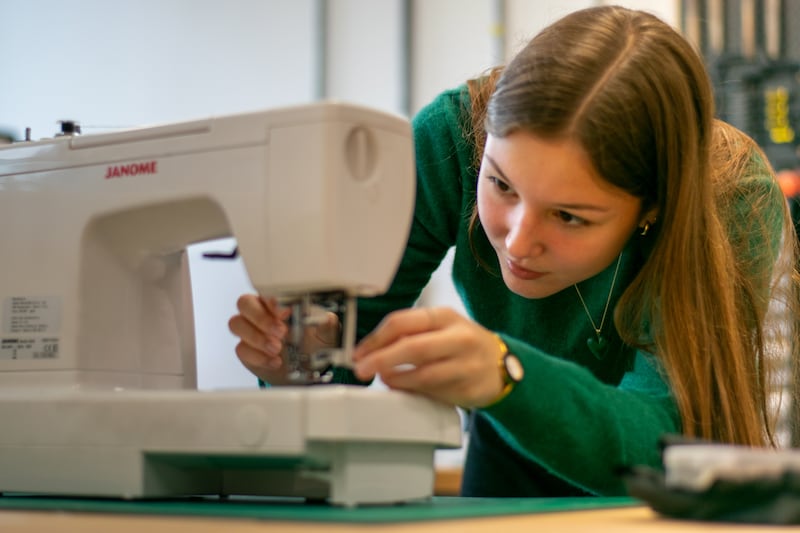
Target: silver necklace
<point>599,346</point>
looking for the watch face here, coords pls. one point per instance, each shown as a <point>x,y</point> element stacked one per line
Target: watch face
<point>513,368</point>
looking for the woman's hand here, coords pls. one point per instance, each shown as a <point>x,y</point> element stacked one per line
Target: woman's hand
<point>436,352</point>
<point>262,329</point>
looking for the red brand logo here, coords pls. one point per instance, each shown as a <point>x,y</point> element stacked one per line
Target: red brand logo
<point>131,169</point>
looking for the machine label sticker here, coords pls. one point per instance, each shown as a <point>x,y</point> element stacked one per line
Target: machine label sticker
<point>23,314</point>
<point>30,326</point>
<point>29,348</point>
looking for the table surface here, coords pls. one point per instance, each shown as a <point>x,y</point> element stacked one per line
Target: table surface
<point>620,519</point>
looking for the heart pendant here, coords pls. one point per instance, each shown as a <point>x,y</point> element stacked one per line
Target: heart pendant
<point>598,346</point>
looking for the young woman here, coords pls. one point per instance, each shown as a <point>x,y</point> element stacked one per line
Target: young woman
<point>616,240</point>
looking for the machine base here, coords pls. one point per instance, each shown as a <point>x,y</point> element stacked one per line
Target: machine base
<point>345,444</point>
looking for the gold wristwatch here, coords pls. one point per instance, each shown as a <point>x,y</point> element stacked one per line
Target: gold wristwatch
<point>510,367</point>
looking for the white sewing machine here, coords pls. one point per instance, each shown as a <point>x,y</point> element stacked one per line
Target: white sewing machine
<point>97,358</point>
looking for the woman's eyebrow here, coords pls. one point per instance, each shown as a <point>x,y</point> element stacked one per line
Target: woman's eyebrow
<point>584,207</point>
<point>496,167</point>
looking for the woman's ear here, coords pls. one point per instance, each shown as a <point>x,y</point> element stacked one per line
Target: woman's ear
<point>651,215</point>
<point>648,219</point>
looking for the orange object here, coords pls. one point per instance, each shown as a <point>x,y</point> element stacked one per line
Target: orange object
<point>789,181</point>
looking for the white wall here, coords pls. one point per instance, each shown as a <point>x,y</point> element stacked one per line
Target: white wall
<point>451,43</point>
<point>364,53</point>
<point>121,64</point>
<point>117,64</point>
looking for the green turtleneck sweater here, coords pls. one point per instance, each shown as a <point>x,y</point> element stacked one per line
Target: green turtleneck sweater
<point>575,418</point>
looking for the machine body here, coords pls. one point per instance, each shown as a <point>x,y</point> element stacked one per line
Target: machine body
<point>97,324</point>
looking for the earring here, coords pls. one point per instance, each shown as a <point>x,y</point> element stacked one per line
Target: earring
<point>645,228</point>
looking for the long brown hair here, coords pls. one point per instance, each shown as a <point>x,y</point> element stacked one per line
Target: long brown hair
<point>637,98</point>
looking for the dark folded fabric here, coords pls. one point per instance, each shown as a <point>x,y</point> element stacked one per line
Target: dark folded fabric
<point>772,500</point>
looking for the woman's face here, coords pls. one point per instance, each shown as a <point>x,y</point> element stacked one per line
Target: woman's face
<point>552,220</point>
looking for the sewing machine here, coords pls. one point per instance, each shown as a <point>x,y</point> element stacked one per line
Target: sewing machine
<point>97,358</point>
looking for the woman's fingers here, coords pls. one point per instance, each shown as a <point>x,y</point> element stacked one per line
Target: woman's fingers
<point>255,337</point>
<point>441,380</point>
<point>327,332</point>
<point>260,323</point>
<point>257,361</point>
<point>261,330</point>
<point>404,348</point>
<point>400,324</point>
<point>440,354</point>
<point>265,314</point>
<point>261,326</point>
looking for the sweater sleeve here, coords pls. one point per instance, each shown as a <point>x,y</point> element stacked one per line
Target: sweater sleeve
<point>580,429</point>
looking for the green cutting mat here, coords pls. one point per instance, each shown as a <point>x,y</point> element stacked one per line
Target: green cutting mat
<point>438,508</point>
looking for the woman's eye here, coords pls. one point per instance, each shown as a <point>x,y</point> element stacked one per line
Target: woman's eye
<point>569,218</point>
<point>501,185</point>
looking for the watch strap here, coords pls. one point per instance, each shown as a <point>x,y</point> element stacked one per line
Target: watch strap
<point>508,383</point>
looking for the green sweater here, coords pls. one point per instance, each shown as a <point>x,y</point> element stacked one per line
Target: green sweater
<point>574,419</point>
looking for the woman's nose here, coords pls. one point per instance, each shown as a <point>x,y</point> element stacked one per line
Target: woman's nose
<point>524,235</point>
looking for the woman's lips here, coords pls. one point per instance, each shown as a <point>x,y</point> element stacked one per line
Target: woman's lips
<point>523,273</point>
